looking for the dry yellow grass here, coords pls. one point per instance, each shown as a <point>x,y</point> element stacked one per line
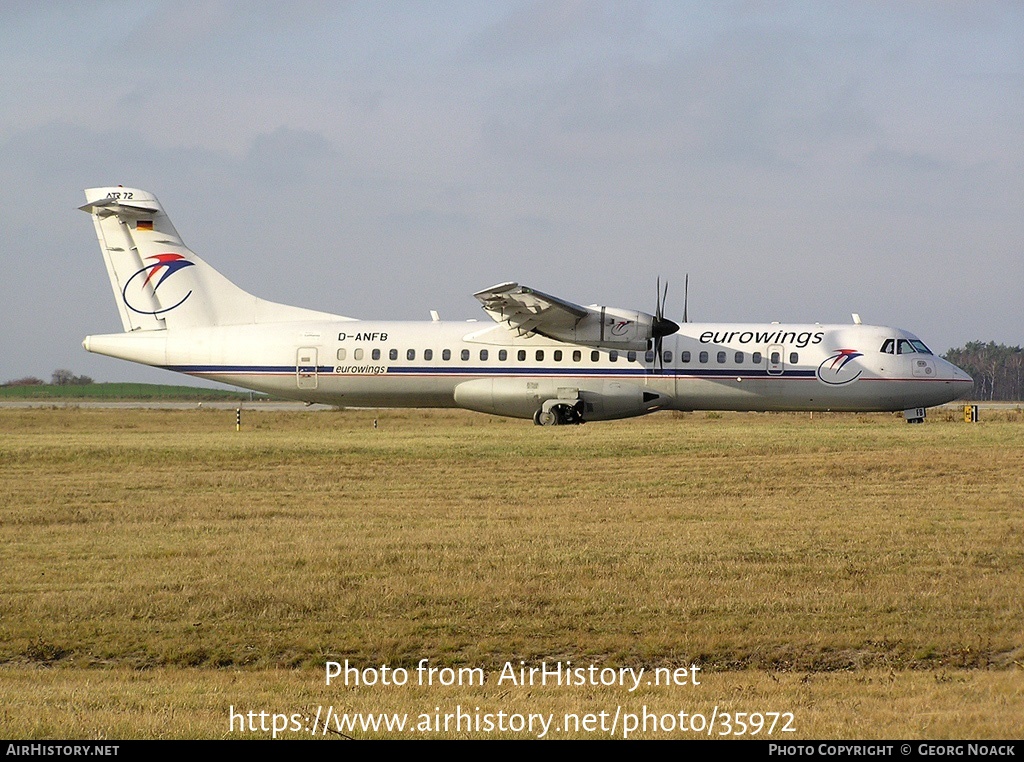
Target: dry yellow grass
<point>845,567</point>
<point>195,703</point>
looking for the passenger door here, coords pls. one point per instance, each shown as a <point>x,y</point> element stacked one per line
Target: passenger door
<point>305,368</point>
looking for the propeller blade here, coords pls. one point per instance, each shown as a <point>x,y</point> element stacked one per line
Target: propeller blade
<point>657,321</point>
<point>686,297</point>
<point>662,326</point>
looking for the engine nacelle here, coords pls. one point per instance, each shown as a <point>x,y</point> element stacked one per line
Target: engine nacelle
<point>597,400</point>
<point>527,310</point>
<point>613,327</point>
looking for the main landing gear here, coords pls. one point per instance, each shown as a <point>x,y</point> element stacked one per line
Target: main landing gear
<point>560,414</point>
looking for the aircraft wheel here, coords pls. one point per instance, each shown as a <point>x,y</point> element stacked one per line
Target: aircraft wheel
<point>545,418</point>
<point>570,415</point>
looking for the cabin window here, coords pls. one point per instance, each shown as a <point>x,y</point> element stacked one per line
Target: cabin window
<point>521,355</point>
<point>483,354</point>
<point>776,358</point>
<point>613,356</point>
<point>410,354</point>
<point>503,354</point>
<point>721,357</point>
<point>558,355</point>
<point>446,354</point>
<point>358,354</point>
<point>631,356</point>
<point>649,356</point>
<point>794,358</point>
<point>595,356</point>
<point>739,358</point>
<point>577,355</point>
<point>666,356</point>
<point>464,354</point>
<point>685,356</point>
<point>756,358</point>
<point>540,355</point>
<point>703,357</point>
<point>341,354</point>
<point>428,354</point>
<point>393,354</point>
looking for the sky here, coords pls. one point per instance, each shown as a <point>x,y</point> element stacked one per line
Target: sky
<point>800,161</point>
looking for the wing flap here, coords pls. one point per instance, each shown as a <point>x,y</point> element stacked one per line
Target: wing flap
<point>527,310</point>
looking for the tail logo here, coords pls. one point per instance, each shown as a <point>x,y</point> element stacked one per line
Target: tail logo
<point>838,369</point>
<point>154,275</point>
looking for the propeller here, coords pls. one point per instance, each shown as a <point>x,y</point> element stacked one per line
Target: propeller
<point>686,297</point>
<point>662,326</point>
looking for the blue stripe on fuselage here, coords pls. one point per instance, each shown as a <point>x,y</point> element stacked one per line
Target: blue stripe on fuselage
<point>426,370</point>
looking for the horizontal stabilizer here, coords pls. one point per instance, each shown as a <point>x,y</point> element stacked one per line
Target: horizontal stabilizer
<point>109,206</point>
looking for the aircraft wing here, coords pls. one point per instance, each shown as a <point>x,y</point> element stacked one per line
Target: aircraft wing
<point>527,310</point>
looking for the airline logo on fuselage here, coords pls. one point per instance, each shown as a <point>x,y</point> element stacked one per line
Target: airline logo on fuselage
<point>359,370</point>
<point>839,368</point>
<point>800,338</point>
<point>165,266</point>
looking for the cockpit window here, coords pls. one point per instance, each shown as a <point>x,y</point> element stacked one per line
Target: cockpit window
<point>904,347</point>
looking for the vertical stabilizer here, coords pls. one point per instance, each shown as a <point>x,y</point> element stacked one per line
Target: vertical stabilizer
<point>158,282</point>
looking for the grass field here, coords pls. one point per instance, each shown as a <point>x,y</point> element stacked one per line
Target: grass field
<point>158,568</point>
<point>120,391</point>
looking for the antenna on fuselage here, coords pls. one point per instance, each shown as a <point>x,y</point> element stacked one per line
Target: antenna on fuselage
<point>856,318</point>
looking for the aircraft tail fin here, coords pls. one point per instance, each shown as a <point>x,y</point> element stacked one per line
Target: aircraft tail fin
<point>159,282</point>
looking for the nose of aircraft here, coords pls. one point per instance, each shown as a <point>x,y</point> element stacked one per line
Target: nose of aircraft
<point>962,381</point>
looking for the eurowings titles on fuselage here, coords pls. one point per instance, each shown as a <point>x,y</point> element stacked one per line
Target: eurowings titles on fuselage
<point>542,357</point>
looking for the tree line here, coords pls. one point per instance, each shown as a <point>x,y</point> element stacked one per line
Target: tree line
<point>997,370</point>
<point>60,377</point>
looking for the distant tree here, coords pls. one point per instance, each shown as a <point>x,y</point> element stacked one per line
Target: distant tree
<point>997,370</point>
<point>26,381</point>
<point>64,377</point>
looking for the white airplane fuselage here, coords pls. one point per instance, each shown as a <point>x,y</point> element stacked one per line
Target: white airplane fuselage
<point>181,314</point>
<point>350,363</point>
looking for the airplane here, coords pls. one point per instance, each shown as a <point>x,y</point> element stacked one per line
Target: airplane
<point>542,358</point>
